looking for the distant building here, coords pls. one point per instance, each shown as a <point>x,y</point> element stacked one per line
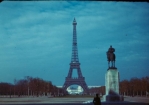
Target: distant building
<point>72,90</point>
<point>93,87</point>
<point>78,89</point>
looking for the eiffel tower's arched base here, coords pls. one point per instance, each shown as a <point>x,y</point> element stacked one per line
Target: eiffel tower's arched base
<point>75,81</point>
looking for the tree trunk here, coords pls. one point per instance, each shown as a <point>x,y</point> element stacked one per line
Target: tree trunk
<point>137,93</point>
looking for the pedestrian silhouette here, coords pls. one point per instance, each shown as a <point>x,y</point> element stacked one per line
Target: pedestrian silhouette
<point>96,100</point>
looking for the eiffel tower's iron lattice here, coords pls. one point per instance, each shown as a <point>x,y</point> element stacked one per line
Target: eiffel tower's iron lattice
<point>80,80</point>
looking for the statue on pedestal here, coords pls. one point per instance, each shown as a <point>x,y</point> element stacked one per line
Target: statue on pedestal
<point>112,79</point>
<point>111,58</point>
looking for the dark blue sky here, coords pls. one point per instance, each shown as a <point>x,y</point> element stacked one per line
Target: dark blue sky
<point>36,39</point>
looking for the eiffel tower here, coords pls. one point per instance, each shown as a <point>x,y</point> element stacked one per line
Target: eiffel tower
<point>80,80</point>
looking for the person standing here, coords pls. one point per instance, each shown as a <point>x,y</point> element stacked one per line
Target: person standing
<point>96,100</point>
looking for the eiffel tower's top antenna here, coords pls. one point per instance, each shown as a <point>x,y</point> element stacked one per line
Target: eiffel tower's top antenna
<point>74,57</point>
<point>74,21</point>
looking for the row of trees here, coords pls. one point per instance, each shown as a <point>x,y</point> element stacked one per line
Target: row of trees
<point>135,86</point>
<point>30,86</point>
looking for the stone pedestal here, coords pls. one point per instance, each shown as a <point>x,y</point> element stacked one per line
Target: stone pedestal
<point>112,81</point>
<point>112,85</point>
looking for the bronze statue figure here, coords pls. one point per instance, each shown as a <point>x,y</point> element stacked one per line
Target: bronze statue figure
<point>111,57</point>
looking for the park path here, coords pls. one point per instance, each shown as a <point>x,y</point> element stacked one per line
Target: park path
<point>137,99</point>
<point>59,101</point>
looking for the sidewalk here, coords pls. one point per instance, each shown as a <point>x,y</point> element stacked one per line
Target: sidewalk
<point>69,101</point>
<point>137,99</point>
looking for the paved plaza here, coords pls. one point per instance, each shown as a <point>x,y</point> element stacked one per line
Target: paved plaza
<point>69,101</point>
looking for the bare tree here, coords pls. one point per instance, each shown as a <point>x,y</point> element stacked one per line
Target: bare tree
<point>135,86</point>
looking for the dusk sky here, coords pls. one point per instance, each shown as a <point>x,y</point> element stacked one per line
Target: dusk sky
<point>36,39</point>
